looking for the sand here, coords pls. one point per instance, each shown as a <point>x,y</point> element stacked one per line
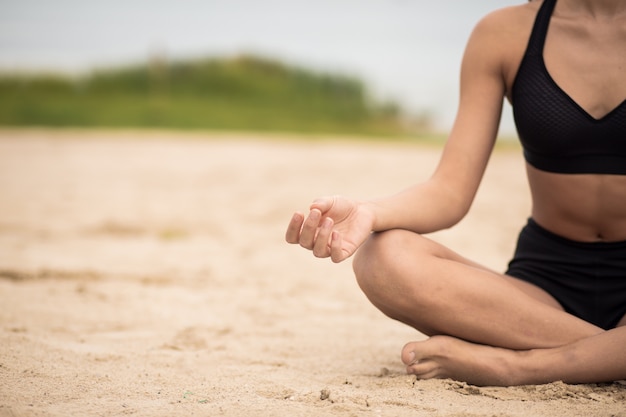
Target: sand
<point>147,274</point>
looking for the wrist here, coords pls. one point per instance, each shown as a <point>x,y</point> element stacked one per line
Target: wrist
<point>374,209</point>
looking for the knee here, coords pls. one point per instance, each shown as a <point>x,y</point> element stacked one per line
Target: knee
<point>398,272</point>
<point>370,261</point>
<point>381,265</point>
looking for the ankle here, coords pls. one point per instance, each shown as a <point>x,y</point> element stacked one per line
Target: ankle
<point>531,367</point>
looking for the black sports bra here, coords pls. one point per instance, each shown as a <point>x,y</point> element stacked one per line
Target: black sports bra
<point>556,133</point>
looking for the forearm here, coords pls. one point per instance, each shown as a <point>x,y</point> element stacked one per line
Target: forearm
<point>424,208</point>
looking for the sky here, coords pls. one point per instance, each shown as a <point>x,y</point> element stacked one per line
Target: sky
<point>408,51</point>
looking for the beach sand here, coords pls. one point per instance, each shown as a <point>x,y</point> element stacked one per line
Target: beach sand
<point>146,273</point>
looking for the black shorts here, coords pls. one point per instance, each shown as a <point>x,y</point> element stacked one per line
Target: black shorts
<point>587,279</point>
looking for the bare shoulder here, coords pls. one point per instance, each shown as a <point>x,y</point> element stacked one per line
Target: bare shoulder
<point>509,22</point>
<point>502,36</point>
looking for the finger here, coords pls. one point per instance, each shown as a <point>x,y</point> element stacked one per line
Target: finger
<point>309,229</point>
<point>337,253</point>
<point>323,204</point>
<point>293,230</point>
<point>321,249</point>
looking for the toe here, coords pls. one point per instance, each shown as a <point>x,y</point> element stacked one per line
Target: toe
<point>408,354</point>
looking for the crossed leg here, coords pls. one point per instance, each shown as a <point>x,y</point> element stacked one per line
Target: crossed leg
<point>487,328</point>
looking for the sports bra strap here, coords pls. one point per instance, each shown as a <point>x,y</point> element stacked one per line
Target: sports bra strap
<point>540,29</point>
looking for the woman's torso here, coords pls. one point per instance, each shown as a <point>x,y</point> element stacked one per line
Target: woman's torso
<point>586,58</point>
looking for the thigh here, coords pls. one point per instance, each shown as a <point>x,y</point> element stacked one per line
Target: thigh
<point>528,288</point>
<point>432,288</point>
<point>536,292</point>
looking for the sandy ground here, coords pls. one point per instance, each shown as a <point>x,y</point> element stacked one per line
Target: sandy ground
<point>146,274</point>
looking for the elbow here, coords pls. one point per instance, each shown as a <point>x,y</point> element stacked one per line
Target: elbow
<point>454,215</point>
<point>456,208</point>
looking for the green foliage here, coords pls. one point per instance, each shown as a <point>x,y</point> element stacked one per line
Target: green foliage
<point>241,93</point>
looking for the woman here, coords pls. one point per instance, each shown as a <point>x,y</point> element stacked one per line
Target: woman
<point>559,313</point>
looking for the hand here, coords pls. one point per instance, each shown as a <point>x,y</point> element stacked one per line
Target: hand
<point>335,228</point>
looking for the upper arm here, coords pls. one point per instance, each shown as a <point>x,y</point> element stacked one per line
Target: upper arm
<point>483,88</point>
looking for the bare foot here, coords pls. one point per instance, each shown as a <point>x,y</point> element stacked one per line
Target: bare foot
<point>449,357</point>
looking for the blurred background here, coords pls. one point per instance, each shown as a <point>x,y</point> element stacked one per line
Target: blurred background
<point>344,66</point>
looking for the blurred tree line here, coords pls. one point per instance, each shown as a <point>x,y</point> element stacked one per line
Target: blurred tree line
<point>241,93</point>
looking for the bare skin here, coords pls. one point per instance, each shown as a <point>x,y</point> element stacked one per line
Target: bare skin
<point>488,328</point>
